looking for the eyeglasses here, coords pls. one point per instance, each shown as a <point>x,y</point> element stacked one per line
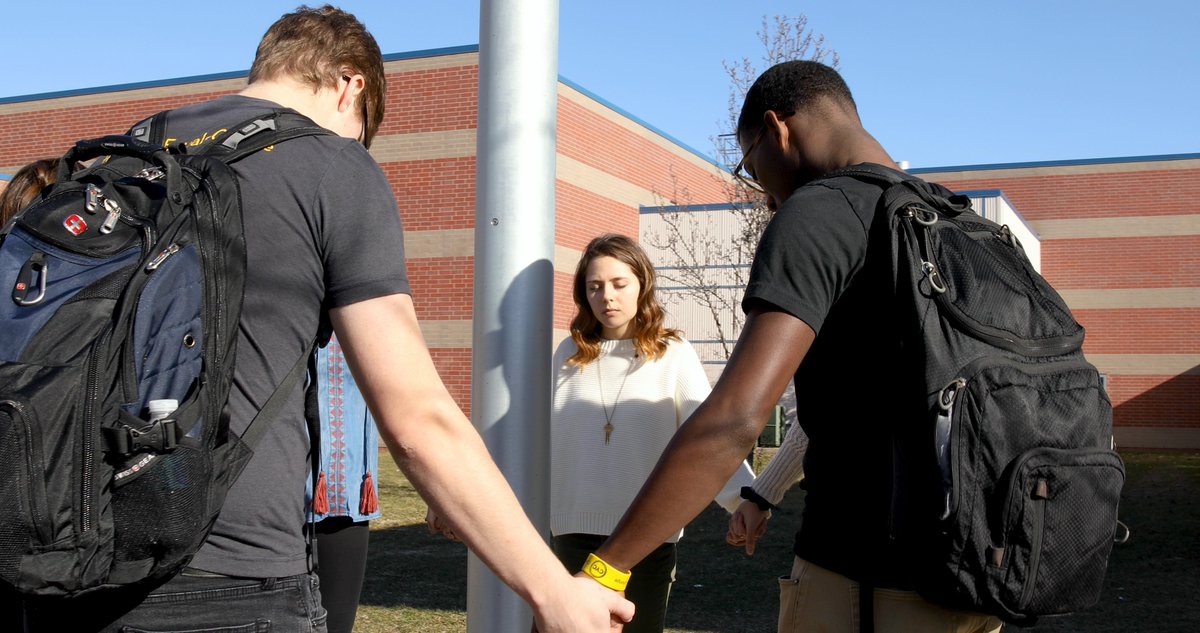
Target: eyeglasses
<point>366,123</point>
<point>743,175</point>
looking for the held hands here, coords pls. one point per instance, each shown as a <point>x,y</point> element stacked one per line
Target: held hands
<point>436,525</point>
<point>580,611</point>
<point>747,524</point>
<point>575,604</point>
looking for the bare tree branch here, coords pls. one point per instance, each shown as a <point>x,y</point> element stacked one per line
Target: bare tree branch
<point>705,269</point>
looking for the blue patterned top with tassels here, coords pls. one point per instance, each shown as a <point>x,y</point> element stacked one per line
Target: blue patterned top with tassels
<point>349,444</point>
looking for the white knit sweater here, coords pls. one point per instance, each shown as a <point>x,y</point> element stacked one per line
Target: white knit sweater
<point>592,483</point>
<point>786,467</point>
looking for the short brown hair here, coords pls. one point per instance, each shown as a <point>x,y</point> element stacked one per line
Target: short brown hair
<point>318,47</point>
<point>650,336</point>
<point>25,185</point>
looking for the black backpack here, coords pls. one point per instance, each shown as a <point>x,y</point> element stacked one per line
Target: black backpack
<point>125,284</point>
<point>1006,484</point>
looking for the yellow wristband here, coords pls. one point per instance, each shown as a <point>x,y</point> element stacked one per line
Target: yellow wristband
<point>605,574</point>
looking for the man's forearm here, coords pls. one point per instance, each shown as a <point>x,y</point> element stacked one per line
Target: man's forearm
<point>716,437</point>
<point>695,466</point>
<point>470,493</point>
<point>436,446</point>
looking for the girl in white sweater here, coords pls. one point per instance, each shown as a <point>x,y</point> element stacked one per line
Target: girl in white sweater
<point>623,385</point>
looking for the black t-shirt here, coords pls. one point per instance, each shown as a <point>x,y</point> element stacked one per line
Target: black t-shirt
<point>322,231</point>
<point>824,260</point>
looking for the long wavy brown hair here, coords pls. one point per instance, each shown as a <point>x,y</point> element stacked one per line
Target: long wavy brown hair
<point>650,337</point>
<point>26,185</point>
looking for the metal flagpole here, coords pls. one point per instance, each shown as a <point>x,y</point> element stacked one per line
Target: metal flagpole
<point>514,272</point>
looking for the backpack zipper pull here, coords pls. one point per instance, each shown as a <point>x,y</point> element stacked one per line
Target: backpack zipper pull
<point>161,257</point>
<point>935,278</point>
<point>114,214</point>
<point>151,173</point>
<point>92,198</point>
<point>943,429</point>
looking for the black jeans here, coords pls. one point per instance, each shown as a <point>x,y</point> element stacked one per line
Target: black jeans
<point>649,586</point>
<point>197,602</point>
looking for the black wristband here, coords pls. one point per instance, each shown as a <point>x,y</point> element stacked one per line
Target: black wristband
<point>749,495</point>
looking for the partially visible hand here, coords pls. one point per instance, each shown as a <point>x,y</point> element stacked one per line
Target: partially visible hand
<point>436,525</point>
<point>747,524</point>
<point>585,605</point>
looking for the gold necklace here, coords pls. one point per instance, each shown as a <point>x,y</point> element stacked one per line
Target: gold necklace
<point>608,416</point>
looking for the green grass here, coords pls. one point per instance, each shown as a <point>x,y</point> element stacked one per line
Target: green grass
<point>416,582</point>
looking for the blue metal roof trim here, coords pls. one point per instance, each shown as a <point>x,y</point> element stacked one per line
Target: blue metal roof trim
<point>992,193</point>
<point>432,52</point>
<point>688,208</point>
<point>1055,163</point>
<point>611,106</point>
<point>160,83</point>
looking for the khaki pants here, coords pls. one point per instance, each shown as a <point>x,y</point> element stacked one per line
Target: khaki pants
<point>816,600</point>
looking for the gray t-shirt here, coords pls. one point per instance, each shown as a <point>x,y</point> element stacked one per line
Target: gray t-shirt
<point>322,231</point>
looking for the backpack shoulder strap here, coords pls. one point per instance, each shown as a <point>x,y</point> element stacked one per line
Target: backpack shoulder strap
<point>152,130</point>
<point>901,190</point>
<point>269,411</point>
<point>261,132</point>
<point>252,135</point>
<point>870,172</point>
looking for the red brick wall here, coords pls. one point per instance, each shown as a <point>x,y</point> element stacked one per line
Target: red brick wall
<point>1097,195</point>
<point>1117,263</point>
<point>599,142</point>
<point>1126,262</point>
<point>434,194</point>
<point>28,136</point>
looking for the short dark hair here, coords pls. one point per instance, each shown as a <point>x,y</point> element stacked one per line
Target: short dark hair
<point>317,47</point>
<point>791,87</point>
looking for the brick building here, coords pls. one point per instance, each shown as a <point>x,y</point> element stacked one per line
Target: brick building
<point>1119,237</point>
<point>608,166</point>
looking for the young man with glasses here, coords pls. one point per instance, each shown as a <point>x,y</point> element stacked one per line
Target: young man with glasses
<point>324,240</point>
<point>815,314</point>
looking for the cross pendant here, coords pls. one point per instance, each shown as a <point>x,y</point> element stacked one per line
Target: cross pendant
<point>608,429</point>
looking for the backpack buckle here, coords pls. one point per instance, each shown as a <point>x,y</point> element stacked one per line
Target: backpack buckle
<point>160,436</point>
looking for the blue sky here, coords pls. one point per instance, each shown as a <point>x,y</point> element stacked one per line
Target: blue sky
<point>939,83</point>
